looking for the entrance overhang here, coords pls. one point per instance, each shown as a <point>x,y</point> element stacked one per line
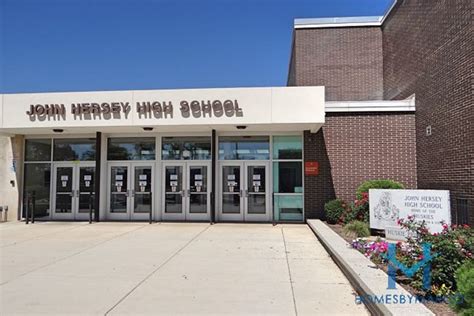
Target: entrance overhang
<point>189,110</point>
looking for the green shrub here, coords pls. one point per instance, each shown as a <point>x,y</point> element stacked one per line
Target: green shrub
<point>377,184</point>
<point>452,247</point>
<point>464,276</point>
<point>334,209</point>
<point>356,229</point>
<point>358,211</point>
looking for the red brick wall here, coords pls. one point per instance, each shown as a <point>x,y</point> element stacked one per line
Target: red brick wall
<point>428,51</point>
<point>354,147</point>
<point>347,61</point>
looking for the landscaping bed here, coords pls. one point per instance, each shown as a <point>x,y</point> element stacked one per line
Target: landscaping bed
<point>437,308</point>
<point>449,256</point>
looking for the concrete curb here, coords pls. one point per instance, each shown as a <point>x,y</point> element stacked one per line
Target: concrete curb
<point>366,279</point>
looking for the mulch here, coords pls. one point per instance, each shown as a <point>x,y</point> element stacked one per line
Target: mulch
<point>436,308</point>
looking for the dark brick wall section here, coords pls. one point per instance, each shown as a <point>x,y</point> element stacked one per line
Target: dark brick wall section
<point>347,61</point>
<point>317,189</point>
<point>292,70</point>
<point>428,51</point>
<point>354,147</point>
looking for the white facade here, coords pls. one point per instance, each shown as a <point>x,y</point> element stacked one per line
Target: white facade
<point>164,113</point>
<point>263,109</point>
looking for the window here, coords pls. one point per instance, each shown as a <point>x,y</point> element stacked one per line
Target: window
<point>186,148</point>
<point>288,178</point>
<point>131,149</point>
<point>288,207</point>
<point>38,150</point>
<point>244,148</point>
<point>74,149</point>
<point>287,147</point>
<point>37,183</point>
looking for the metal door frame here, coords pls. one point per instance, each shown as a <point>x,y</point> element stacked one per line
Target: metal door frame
<point>197,216</point>
<point>140,216</point>
<point>74,215</point>
<point>173,216</point>
<point>243,216</point>
<point>257,217</point>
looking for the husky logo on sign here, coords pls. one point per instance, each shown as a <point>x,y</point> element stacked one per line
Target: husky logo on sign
<point>385,209</point>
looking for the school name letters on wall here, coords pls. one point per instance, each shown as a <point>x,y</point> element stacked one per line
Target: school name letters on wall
<point>145,109</point>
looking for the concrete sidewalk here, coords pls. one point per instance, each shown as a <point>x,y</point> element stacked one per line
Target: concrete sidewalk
<point>168,268</point>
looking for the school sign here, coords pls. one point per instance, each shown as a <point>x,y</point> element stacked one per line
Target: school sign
<point>387,206</point>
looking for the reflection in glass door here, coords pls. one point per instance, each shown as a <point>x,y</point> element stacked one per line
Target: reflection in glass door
<point>130,191</point>
<point>186,193</point>
<point>244,191</point>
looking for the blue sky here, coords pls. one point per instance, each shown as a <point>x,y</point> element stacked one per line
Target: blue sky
<point>81,45</point>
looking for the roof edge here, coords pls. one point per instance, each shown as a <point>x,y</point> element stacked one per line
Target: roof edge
<point>338,22</point>
<point>406,105</point>
<point>349,21</point>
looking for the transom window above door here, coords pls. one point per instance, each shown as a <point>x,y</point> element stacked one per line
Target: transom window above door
<point>66,149</point>
<point>186,148</point>
<point>244,148</point>
<point>131,148</point>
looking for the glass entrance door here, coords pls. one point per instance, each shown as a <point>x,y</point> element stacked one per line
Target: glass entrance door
<point>73,191</point>
<point>64,189</point>
<point>186,194</point>
<point>257,192</point>
<point>130,191</point>
<point>173,192</point>
<point>231,205</point>
<point>118,192</point>
<point>198,198</point>
<point>142,192</point>
<point>244,191</point>
<point>85,192</point>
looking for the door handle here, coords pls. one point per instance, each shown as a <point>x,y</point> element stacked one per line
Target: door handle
<point>132,193</point>
<point>246,193</point>
<point>127,194</point>
<point>241,194</point>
